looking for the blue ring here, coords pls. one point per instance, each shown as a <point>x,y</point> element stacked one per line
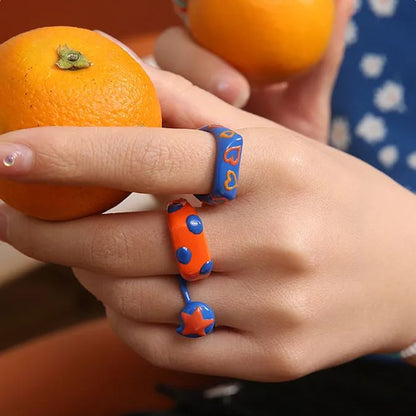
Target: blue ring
<point>227,167</point>
<point>206,314</point>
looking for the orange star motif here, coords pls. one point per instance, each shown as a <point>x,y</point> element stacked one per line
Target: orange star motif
<point>195,324</point>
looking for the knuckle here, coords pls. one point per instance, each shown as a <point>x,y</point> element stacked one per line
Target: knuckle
<point>54,158</point>
<point>107,249</point>
<point>299,255</point>
<point>119,297</point>
<point>299,308</point>
<point>131,298</point>
<point>293,307</point>
<point>288,362</point>
<point>294,162</point>
<point>285,248</point>
<point>157,161</point>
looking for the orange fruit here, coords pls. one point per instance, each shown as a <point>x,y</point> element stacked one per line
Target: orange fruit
<point>266,40</point>
<point>39,86</point>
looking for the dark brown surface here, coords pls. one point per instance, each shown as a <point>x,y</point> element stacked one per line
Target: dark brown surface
<point>42,301</point>
<point>124,19</point>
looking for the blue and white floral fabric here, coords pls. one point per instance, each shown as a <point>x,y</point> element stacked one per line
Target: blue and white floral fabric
<point>374,102</point>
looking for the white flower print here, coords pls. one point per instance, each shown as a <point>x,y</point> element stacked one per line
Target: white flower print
<point>371,128</point>
<point>372,65</point>
<point>357,5</point>
<point>411,160</point>
<point>340,133</point>
<point>390,97</point>
<point>384,8</point>
<point>351,35</point>
<point>388,156</point>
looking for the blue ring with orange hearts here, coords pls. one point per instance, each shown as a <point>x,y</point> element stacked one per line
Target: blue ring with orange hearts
<point>227,167</point>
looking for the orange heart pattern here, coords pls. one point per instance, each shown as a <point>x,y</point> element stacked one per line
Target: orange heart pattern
<point>229,154</point>
<point>231,181</point>
<point>232,155</point>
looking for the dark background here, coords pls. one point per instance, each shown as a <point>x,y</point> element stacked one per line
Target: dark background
<point>125,19</point>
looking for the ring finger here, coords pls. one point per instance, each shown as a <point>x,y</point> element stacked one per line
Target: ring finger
<point>158,300</point>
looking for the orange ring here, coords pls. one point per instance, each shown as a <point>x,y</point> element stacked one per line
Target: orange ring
<point>189,241</point>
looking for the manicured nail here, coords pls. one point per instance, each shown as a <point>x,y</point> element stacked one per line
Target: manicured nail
<point>3,225</point>
<point>15,159</point>
<point>232,93</point>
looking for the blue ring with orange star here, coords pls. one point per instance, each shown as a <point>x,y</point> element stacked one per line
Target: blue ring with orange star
<point>196,319</point>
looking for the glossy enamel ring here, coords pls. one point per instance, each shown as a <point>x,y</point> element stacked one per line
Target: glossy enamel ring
<point>227,167</point>
<point>189,241</point>
<point>196,319</point>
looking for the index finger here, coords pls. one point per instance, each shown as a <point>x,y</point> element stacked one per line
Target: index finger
<point>135,159</point>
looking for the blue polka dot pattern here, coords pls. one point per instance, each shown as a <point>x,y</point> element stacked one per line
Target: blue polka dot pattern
<point>184,255</point>
<point>194,224</point>
<point>207,267</point>
<point>174,207</point>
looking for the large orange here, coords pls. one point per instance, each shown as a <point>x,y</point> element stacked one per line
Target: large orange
<point>34,91</point>
<point>267,40</point>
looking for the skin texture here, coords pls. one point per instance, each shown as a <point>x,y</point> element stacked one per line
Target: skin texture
<point>313,262</point>
<point>302,105</point>
<point>113,91</point>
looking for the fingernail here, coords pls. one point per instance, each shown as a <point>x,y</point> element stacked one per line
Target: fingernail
<point>15,159</point>
<point>232,93</point>
<point>3,224</point>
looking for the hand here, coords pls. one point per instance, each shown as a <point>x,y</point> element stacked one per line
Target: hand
<point>313,262</point>
<point>303,105</point>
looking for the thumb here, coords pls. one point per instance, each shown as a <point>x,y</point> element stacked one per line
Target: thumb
<point>325,74</point>
<point>184,105</point>
<point>317,85</point>
<point>311,93</point>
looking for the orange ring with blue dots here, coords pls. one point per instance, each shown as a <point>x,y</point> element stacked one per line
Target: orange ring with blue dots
<point>189,241</point>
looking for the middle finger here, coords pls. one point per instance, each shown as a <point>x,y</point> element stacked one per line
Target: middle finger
<point>128,244</point>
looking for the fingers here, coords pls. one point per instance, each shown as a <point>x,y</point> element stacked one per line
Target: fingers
<point>159,300</point>
<point>175,51</point>
<point>327,71</point>
<point>144,160</point>
<point>185,105</point>
<point>223,353</point>
<point>130,244</point>
<point>310,95</point>
<point>317,85</point>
